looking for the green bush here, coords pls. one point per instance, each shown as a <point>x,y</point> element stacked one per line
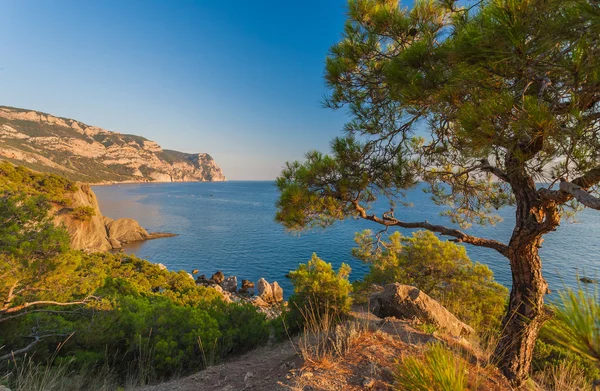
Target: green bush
<point>320,290</point>
<point>83,213</point>
<point>439,268</point>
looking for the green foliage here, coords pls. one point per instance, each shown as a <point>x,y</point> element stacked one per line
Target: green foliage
<point>18,179</point>
<point>548,356</point>
<point>143,322</point>
<point>83,213</point>
<point>576,323</point>
<point>26,230</point>
<point>439,268</point>
<point>319,290</point>
<point>438,370</point>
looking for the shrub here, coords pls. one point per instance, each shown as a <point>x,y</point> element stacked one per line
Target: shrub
<point>83,213</point>
<point>439,268</point>
<point>438,369</point>
<point>576,323</point>
<point>320,290</point>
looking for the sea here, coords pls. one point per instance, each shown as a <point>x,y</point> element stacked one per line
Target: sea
<point>230,226</point>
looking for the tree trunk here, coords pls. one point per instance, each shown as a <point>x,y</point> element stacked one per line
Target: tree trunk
<point>525,315</point>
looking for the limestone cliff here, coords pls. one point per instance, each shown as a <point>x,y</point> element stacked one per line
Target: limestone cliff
<point>96,232</point>
<point>91,154</point>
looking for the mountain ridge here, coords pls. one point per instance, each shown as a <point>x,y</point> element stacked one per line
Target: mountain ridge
<point>91,154</point>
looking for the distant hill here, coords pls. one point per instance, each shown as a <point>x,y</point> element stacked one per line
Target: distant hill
<point>91,154</point>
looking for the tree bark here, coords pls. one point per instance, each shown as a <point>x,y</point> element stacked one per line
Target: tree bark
<point>526,314</point>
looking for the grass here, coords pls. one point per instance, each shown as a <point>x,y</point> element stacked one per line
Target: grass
<point>576,323</point>
<point>438,370</point>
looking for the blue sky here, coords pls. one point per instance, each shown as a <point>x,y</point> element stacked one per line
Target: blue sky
<point>241,80</point>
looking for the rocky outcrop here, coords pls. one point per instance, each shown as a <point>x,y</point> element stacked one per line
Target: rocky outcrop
<point>96,233</point>
<point>269,293</point>
<point>408,302</point>
<point>90,154</point>
<point>87,235</point>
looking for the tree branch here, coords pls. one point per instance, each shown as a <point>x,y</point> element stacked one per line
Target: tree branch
<point>580,195</point>
<point>46,302</point>
<point>459,235</point>
<point>577,189</point>
<point>23,350</point>
<point>36,339</point>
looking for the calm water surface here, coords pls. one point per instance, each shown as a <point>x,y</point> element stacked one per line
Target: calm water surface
<point>230,226</point>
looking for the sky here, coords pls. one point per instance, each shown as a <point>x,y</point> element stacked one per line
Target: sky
<point>240,80</point>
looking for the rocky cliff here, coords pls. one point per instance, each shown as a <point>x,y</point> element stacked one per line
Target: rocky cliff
<point>90,154</point>
<point>92,231</point>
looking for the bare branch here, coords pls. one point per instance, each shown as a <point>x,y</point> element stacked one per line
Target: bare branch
<point>459,235</point>
<point>20,351</point>
<point>575,189</point>
<point>36,339</point>
<point>580,195</point>
<point>46,302</point>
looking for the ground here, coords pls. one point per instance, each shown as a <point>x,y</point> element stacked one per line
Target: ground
<point>366,363</point>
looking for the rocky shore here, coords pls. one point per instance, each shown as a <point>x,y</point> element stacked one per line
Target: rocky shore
<point>267,297</point>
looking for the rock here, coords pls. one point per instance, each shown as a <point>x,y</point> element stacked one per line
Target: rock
<point>218,277</point>
<point>190,276</point>
<point>247,288</point>
<point>114,243</point>
<point>270,293</point>
<point>126,230</point>
<point>161,266</point>
<point>277,292</point>
<point>247,284</point>
<point>408,302</point>
<point>195,271</point>
<point>368,383</point>
<point>265,292</point>
<point>587,280</point>
<point>88,236</point>
<point>248,376</point>
<point>218,288</point>
<point>259,302</point>
<point>4,388</point>
<point>230,284</point>
<point>202,280</point>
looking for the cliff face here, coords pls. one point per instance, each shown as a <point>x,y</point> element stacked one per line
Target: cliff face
<point>96,232</point>
<point>90,235</point>
<point>91,154</point>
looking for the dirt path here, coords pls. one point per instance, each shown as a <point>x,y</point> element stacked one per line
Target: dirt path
<point>260,369</point>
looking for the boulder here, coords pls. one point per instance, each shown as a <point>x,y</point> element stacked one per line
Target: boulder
<point>247,288</point>
<point>277,292</point>
<point>161,266</point>
<point>218,277</point>
<point>230,284</point>
<point>195,271</point>
<point>270,293</point>
<point>265,292</point>
<point>587,280</point>
<point>408,302</point>
<point>202,280</point>
<point>126,230</point>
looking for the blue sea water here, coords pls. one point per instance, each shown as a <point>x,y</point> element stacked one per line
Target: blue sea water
<point>230,226</point>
